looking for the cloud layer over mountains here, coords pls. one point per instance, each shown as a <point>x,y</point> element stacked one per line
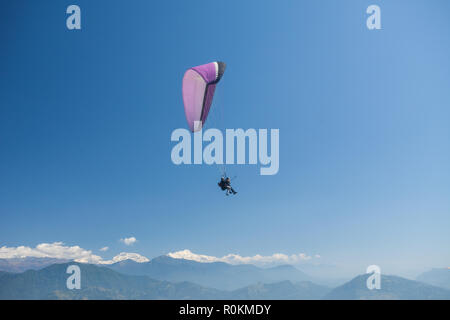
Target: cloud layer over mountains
<point>59,250</point>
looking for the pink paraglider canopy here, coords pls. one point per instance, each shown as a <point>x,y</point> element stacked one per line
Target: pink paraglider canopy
<point>199,84</point>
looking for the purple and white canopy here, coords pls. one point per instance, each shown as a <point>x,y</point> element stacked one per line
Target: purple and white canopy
<point>199,84</point>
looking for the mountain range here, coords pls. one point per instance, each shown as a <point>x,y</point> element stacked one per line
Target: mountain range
<point>98,282</point>
<point>104,283</point>
<point>28,263</point>
<point>438,277</point>
<point>217,275</point>
<point>392,288</point>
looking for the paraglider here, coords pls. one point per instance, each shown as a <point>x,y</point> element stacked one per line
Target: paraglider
<point>199,85</point>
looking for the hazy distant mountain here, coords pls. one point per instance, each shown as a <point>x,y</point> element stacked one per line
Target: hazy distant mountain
<point>392,288</point>
<point>96,283</point>
<point>304,290</point>
<point>327,275</point>
<point>28,263</point>
<point>217,275</point>
<point>438,277</point>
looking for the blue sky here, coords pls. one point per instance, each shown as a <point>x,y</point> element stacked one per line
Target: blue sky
<point>86,118</point>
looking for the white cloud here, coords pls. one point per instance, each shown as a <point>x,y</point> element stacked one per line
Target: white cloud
<point>276,258</point>
<point>129,241</point>
<point>50,250</point>
<point>59,251</point>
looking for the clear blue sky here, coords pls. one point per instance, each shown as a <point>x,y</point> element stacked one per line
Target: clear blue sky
<point>364,118</point>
